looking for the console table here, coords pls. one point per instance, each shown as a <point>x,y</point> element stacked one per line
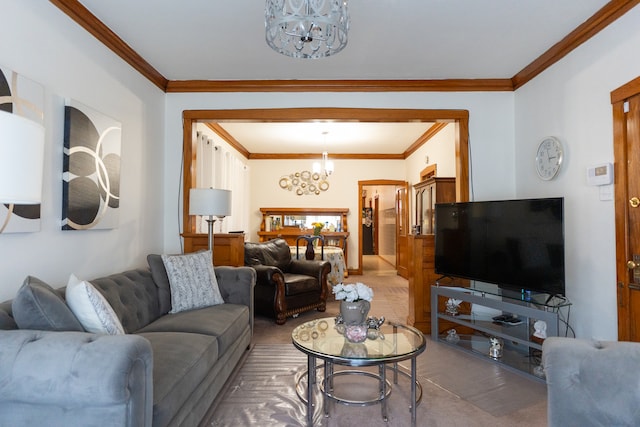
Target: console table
<point>228,248</point>
<point>521,350</point>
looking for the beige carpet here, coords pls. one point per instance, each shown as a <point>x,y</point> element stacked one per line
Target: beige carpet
<point>459,389</point>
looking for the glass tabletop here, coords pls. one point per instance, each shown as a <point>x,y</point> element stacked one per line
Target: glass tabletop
<point>392,342</point>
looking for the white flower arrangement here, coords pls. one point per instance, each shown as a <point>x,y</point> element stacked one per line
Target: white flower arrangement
<point>353,292</point>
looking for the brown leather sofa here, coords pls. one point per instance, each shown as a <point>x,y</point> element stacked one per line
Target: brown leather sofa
<point>286,286</point>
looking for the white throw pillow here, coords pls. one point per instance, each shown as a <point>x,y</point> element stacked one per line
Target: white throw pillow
<point>192,281</point>
<point>91,308</point>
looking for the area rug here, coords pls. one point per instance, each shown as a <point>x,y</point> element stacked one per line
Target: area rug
<point>262,393</point>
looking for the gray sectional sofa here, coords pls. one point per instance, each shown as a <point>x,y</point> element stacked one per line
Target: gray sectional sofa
<point>165,371</point>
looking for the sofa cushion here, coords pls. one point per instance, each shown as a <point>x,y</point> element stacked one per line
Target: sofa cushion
<point>224,321</point>
<point>180,362</point>
<point>91,308</point>
<point>193,281</point>
<point>38,306</point>
<point>159,274</point>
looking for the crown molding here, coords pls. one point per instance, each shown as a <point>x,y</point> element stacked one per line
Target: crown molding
<point>444,85</point>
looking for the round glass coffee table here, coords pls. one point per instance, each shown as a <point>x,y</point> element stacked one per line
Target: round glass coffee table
<point>391,343</point>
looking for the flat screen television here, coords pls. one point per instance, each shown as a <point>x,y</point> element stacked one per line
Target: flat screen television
<point>515,244</point>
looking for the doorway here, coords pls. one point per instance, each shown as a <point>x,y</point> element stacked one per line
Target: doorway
<point>378,230</point>
<point>383,227</point>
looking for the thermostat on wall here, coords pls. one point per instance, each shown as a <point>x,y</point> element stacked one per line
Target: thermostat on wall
<point>601,174</point>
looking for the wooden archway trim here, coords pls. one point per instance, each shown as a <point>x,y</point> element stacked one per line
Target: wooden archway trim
<point>382,115</point>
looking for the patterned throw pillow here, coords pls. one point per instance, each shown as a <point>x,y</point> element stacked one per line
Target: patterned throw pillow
<point>192,280</point>
<point>91,308</point>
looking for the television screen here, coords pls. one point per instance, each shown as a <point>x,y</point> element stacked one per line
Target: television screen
<point>516,244</point>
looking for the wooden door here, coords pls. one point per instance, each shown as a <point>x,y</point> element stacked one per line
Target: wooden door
<point>626,117</point>
<point>402,230</point>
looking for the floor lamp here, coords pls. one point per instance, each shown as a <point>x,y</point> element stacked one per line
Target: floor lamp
<point>210,202</point>
<point>21,162</point>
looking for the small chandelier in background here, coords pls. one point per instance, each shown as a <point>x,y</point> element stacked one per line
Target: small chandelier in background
<point>307,28</point>
<point>324,168</point>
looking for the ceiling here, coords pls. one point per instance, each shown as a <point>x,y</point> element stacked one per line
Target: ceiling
<point>340,137</point>
<point>469,44</point>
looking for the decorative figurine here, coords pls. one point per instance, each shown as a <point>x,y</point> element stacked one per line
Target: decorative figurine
<point>452,336</point>
<point>452,306</point>
<point>540,329</point>
<point>495,351</point>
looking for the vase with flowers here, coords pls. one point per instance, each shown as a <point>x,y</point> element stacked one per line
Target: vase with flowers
<point>317,229</point>
<point>354,307</point>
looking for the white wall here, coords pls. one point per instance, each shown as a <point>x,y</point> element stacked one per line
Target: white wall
<point>44,45</point>
<point>571,101</point>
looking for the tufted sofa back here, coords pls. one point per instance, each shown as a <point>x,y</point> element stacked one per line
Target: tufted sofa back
<point>132,294</point>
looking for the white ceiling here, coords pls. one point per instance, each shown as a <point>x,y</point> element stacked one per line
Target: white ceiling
<point>388,39</point>
<point>341,137</point>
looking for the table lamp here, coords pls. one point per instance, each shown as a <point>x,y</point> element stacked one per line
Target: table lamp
<point>210,202</point>
<point>21,161</point>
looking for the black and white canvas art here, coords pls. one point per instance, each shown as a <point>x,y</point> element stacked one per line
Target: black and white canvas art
<point>91,169</point>
<point>24,97</point>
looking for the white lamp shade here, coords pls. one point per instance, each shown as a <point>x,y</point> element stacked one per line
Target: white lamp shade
<point>209,201</point>
<point>21,160</point>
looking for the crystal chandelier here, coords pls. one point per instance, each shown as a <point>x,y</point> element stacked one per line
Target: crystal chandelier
<point>307,28</point>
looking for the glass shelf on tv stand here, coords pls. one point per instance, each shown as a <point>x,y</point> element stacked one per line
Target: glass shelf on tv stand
<point>489,300</point>
<point>539,300</point>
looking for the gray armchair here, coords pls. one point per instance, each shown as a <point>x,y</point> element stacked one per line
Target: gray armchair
<point>592,383</point>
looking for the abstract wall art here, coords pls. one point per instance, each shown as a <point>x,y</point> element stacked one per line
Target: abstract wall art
<point>91,169</point>
<point>24,97</point>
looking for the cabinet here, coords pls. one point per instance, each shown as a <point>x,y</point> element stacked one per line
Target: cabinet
<point>521,351</point>
<point>421,269</point>
<point>427,194</point>
<point>228,249</point>
<point>421,274</point>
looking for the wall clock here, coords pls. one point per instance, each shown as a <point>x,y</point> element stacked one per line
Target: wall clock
<point>549,158</point>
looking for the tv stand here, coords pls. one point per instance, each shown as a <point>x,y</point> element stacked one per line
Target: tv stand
<point>521,351</point>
